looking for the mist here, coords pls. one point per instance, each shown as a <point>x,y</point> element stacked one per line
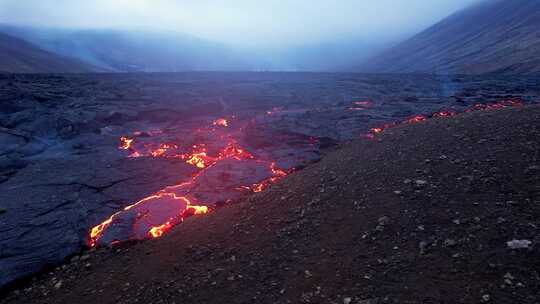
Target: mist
<point>246,23</point>
<point>295,35</point>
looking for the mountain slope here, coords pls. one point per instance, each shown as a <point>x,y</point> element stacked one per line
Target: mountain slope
<point>493,36</point>
<point>18,56</point>
<point>133,51</point>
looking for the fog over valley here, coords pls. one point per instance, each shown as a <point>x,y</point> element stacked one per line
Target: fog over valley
<point>299,35</point>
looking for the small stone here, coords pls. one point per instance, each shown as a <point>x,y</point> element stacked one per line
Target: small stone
<point>308,274</point>
<point>420,182</point>
<point>509,276</point>
<point>518,244</point>
<point>457,221</point>
<point>450,243</point>
<point>486,298</point>
<point>407,181</point>
<point>423,245</point>
<point>532,169</point>
<point>347,300</point>
<point>85,257</point>
<point>383,220</point>
<point>58,285</point>
<point>397,192</point>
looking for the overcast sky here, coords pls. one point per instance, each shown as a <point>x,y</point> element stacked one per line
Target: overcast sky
<point>240,22</point>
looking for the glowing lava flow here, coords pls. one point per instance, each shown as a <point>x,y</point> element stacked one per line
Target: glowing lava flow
<point>226,172</point>
<point>125,143</point>
<point>443,114</point>
<point>145,225</point>
<point>221,122</point>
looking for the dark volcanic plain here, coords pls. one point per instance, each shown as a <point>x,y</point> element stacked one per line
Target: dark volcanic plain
<point>349,226</point>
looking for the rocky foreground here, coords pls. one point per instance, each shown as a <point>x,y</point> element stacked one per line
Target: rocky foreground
<point>441,211</point>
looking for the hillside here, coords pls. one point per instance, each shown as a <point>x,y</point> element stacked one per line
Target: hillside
<point>421,214</point>
<point>495,36</point>
<point>133,51</point>
<point>18,56</point>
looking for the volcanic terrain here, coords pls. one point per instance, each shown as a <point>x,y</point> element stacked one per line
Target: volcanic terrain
<point>439,211</point>
<point>89,161</point>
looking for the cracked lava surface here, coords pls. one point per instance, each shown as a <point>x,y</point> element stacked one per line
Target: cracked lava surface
<point>228,169</point>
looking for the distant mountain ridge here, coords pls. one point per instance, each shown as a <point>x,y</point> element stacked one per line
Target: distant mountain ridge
<point>495,36</point>
<point>133,51</point>
<point>148,51</point>
<point>18,56</point>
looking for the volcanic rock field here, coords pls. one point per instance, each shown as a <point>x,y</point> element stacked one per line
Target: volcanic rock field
<point>91,160</point>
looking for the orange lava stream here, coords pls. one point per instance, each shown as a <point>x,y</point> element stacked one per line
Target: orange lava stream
<point>203,157</point>
<point>125,143</point>
<point>221,122</point>
<point>200,158</point>
<point>443,114</point>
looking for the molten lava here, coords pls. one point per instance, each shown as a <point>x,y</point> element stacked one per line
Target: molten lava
<point>226,172</point>
<point>221,122</point>
<point>443,114</point>
<point>125,143</point>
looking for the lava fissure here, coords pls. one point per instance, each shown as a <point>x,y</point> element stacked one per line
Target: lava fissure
<point>442,114</point>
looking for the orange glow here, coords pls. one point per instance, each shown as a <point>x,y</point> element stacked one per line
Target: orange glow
<point>197,210</point>
<point>125,143</point>
<point>442,114</point>
<point>417,118</point>
<point>198,160</point>
<point>221,122</point>
<point>257,187</point>
<point>158,231</point>
<point>156,214</point>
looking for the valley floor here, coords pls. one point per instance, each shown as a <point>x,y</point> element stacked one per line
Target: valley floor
<point>422,213</point>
